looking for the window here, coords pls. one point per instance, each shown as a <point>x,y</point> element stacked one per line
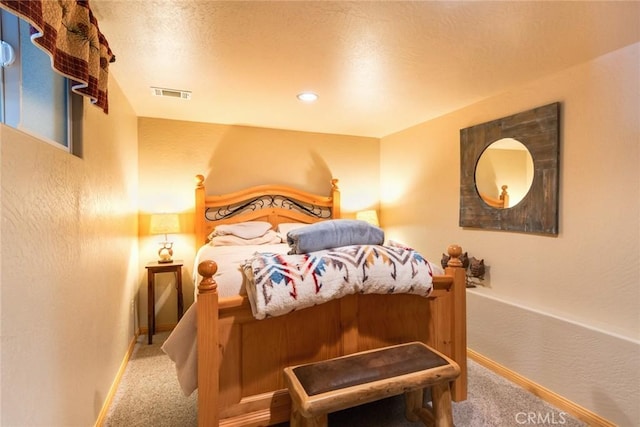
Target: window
<point>35,99</point>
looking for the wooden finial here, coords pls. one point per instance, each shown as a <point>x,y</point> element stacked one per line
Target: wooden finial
<point>334,183</point>
<point>504,196</point>
<point>454,251</point>
<point>504,192</point>
<point>207,269</point>
<point>200,181</point>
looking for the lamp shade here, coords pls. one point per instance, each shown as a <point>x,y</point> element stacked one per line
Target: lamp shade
<point>164,224</point>
<point>370,216</point>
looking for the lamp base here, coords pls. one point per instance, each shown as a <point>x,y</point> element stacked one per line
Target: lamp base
<point>165,253</point>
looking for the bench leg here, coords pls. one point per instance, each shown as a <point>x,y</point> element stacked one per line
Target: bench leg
<point>297,420</point>
<point>439,415</point>
<point>441,401</point>
<point>413,404</point>
<point>415,409</point>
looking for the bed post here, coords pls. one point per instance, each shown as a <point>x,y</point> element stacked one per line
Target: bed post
<point>335,199</point>
<point>208,383</point>
<point>458,312</point>
<point>199,213</point>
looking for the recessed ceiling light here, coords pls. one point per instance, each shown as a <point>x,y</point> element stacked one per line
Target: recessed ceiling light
<point>307,96</point>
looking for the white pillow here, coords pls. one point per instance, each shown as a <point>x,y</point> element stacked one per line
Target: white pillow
<point>245,230</point>
<point>269,238</point>
<point>286,227</point>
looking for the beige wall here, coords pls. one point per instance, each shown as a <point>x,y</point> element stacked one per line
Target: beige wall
<point>172,152</point>
<point>562,311</point>
<point>69,256</point>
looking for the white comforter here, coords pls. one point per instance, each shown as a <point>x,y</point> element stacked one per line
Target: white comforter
<point>229,277</point>
<point>284,283</point>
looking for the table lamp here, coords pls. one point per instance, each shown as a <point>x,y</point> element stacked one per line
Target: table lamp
<point>165,224</point>
<point>370,216</point>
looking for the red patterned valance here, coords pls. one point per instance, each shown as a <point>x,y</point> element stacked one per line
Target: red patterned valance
<point>68,32</point>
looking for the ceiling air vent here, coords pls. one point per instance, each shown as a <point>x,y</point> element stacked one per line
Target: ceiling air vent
<point>171,93</point>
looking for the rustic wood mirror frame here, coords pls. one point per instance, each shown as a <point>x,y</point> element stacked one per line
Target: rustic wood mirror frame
<point>538,129</point>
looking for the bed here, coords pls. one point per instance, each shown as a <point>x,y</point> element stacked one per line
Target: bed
<point>502,202</point>
<point>240,359</point>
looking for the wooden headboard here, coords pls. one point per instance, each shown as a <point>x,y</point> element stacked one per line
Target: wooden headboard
<point>273,203</point>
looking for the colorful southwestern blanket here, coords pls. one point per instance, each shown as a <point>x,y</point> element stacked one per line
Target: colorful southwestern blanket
<point>278,283</point>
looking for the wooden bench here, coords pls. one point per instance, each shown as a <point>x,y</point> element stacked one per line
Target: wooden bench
<point>319,388</point>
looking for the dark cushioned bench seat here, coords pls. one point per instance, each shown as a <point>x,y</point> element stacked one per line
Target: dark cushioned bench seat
<point>319,388</point>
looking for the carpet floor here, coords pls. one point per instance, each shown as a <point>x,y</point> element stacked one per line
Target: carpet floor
<point>149,396</point>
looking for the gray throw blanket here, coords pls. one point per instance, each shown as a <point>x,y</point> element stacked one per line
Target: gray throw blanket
<point>333,234</point>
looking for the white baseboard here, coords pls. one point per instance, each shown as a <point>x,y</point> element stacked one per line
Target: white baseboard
<point>543,393</point>
<point>594,370</point>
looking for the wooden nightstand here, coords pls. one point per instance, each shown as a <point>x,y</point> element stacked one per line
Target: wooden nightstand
<point>154,268</point>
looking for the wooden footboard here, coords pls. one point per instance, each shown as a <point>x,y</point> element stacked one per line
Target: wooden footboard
<point>241,359</point>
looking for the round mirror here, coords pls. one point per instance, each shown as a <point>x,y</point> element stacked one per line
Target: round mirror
<point>504,173</point>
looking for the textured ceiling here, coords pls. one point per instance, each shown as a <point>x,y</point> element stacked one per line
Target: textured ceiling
<point>378,67</point>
